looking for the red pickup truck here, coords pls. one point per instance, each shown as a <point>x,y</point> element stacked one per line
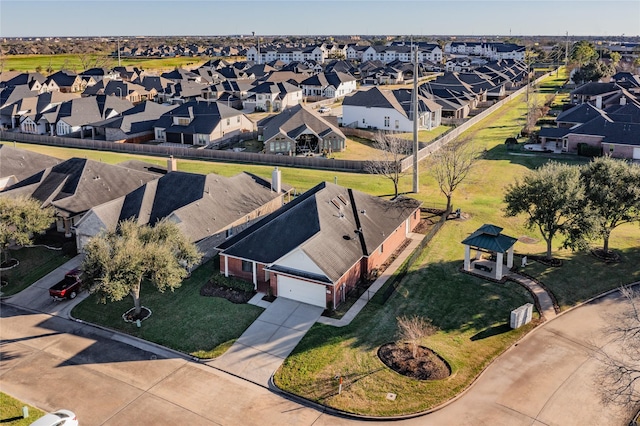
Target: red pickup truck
<point>68,287</point>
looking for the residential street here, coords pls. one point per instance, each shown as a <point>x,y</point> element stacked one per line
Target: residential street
<point>110,379</point>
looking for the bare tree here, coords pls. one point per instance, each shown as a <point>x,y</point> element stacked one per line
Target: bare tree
<point>88,61</point>
<point>412,329</point>
<point>451,165</point>
<point>619,378</point>
<point>388,164</point>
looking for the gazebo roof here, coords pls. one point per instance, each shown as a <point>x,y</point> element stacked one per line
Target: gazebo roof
<point>488,237</point>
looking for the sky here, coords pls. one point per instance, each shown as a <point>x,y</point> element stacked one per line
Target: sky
<point>28,18</point>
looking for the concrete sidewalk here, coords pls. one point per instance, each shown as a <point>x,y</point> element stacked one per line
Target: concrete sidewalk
<point>359,304</point>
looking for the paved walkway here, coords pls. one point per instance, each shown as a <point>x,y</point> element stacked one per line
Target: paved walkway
<point>539,293</point>
<point>262,348</point>
<point>359,304</point>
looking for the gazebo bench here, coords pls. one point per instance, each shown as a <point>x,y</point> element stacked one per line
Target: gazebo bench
<point>482,267</point>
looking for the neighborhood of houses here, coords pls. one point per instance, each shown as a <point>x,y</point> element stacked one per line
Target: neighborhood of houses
<point>322,242</point>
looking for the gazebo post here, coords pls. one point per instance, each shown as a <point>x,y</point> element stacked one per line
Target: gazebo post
<point>499,260</point>
<point>510,258</point>
<point>467,258</point>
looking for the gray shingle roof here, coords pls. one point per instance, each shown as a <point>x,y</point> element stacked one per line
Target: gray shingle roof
<point>293,121</point>
<point>323,223</point>
<point>23,163</point>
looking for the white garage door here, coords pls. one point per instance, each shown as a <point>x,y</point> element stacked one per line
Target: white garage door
<point>302,291</point>
<point>636,153</point>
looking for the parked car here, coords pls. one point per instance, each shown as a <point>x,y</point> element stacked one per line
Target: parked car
<point>324,109</point>
<point>58,418</point>
<point>68,287</point>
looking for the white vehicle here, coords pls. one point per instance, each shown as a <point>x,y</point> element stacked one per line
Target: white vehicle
<point>324,109</point>
<point>58,418</point>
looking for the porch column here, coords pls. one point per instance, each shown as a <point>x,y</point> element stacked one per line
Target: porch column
<point>510,257</point>
<point>499,260</point>
<point>467,258</point>
<point>67,227</point>
<point>254,272</point>
<point>226,266</point>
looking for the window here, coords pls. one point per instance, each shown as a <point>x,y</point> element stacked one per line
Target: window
<point>397,124</point>
<point>229,233</point>
<point>247,266</point>
<point>228,121</point>
<point>238,119</point>
<point>382,248</point>
<point>183,121</point>
<point>386,122</point>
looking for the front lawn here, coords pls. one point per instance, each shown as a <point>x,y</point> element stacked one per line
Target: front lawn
<point>202,326</point>
<point>35,263</point>
<point>11,411</point>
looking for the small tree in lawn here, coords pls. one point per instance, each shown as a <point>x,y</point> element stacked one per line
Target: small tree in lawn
<point>451,165</point>
<point>553,199</point>
<point>116,262</point>
<point>612,188</point>
<point>20,219</point>
<point>413,329</point>
<point>388,164</point>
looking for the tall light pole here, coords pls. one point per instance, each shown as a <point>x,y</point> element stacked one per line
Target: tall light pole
<point>414,101</point>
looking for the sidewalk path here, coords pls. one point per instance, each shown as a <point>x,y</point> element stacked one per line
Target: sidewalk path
<point>545,302</point>
<point>416,239</point>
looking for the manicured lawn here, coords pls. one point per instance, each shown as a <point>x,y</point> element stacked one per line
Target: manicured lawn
<point>426,136</point>
<point>11,411</point>
<point>35,263</point>
<point>357,149</point>
<point>202,326</point>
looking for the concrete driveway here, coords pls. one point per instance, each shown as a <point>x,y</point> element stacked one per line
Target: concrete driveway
<point>262,348</point>
<point>36,296</point>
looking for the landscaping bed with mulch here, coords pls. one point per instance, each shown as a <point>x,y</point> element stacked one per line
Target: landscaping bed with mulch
<point>609,257</point>
<point>426,365</point>
<point>211,289</point>
<point>548,262</point>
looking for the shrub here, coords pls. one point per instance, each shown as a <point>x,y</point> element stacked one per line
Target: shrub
<point>232,282</point>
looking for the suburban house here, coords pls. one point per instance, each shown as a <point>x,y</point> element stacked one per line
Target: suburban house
<point>135,125</point>
<point>23,112</point>
<point>201,123</point>
<point>76,185</point>
<point>318,247</point>
<point>329,85</point>
<point>286,54</point>
<point>64,81</point>
<point>18,164</point>
<point>299,130</point>
<point>389,110</point>
<point>208,209</point>
<point>132,92</point>
<point>73,116</point>
<point>273,96</point>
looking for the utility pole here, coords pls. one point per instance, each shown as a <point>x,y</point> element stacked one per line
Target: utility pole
<point>566,50</point>
<point>118,51</point>
<point>414,101</point>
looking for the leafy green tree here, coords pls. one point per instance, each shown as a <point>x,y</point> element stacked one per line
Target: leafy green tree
<point>583,52</point>
<point>20,219</point>
<point>615,58</point>
<point>116,262</point>
<point>593,71</point>
<point>553,199</point>
<point>612,189</point>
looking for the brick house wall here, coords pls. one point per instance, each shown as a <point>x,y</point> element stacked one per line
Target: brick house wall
<point>573,140</point>
<point>618,151</point>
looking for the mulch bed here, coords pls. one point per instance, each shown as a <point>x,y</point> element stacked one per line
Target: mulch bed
<point>231,294</point>
<point>610,257</point>
<point>548,262</point>
<point>130,315</point>
<point>9,263</point>
<point>426,366</point>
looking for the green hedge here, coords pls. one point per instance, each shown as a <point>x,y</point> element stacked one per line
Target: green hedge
<point>231,282</point>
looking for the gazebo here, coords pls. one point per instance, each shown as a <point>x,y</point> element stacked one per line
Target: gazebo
<point>489,239</point>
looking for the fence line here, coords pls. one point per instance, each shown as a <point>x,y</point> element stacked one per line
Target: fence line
<point>251,157</point>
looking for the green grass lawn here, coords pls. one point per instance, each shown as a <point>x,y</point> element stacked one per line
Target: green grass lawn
<point>11,411</point>
<point>35,263</point>
<point>202,326</point>
<point>25,63</point>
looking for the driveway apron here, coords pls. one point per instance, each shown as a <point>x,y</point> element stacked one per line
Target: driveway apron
<point>262,348</point>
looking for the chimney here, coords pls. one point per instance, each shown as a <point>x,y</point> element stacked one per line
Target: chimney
<point>623,101</point>
<point>276,180</point>
<point>599,102</point>
<point>172,164</point>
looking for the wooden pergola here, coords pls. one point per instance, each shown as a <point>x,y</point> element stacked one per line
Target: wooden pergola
<point>488,238</point>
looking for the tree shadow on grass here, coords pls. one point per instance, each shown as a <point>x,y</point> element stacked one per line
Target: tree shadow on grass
<point>491,331</point>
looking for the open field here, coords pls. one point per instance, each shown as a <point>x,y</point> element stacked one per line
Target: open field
<point>31,63</point>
